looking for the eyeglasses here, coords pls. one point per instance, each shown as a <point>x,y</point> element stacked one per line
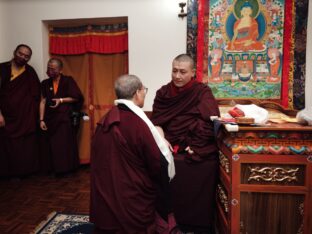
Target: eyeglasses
<point>145,89</point>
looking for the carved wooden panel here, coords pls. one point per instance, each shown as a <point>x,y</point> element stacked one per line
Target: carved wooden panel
<point>274,174</point>
<point>265,184</point>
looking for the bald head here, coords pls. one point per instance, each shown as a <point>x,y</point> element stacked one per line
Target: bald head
<point>185,58</point>
<point>57,61</point>
<point>23,45</point>
<point>54,68</point>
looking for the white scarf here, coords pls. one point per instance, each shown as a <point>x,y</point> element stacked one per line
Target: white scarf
<point>157,137</point>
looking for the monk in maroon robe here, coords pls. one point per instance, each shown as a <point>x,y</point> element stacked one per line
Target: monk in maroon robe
<point>61,97</point>
<point>19,105</point>
<point>125,166</point>
<point>182,111</point>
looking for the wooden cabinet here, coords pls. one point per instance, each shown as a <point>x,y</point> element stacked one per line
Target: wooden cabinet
<point>265,182</point>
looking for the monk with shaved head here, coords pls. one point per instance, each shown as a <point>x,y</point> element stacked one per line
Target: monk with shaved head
<point>19,105</point>
<point>181,112</point>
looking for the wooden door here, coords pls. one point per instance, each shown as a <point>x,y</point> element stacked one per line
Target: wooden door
<point>95,75</point>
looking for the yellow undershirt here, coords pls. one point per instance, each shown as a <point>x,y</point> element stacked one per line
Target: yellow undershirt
<point>55,86</point>
<point>16,71</point>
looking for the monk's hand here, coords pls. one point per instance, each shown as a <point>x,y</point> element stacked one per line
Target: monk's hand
<point>57,101</point>
<point>189,150</point>
<point>2,121</point>
<point>43,126</point>
<point>169,145</point>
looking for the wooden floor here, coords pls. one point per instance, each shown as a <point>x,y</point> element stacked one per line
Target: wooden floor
<point>26,202</point>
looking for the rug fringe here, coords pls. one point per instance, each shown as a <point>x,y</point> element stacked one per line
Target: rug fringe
<point>44,222</point>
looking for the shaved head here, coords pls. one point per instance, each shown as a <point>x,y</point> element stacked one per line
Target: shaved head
<point>185,58</point>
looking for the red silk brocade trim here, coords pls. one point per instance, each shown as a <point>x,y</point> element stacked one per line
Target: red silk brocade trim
<point>200,38</point>
<point>287,47</point>
<point>104,44</point>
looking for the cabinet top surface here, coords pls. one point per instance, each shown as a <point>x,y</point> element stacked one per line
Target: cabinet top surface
<point>276,127</point>
<point>277,121</point>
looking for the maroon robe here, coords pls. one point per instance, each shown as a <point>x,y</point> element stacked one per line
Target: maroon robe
<point>19,104</point>
<point>61,134</point>
<point>184,114</point>
<point>125,170</point>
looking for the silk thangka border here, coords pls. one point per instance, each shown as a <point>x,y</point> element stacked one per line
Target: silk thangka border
<point>302,7</point>
<point>192,9</point>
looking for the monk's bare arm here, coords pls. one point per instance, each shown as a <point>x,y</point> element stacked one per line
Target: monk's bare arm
<point>43,126</point>
<point>161,131</point>
<point>2,121</point>
<point>59,101</point>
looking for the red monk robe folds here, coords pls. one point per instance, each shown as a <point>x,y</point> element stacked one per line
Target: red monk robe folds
<point>19,107</point>
<point>57,104</point>
<point>125,166</point>
<point>182,108</point>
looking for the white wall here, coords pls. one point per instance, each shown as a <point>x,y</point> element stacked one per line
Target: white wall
<point>3,21</point>
<point>156,34</point>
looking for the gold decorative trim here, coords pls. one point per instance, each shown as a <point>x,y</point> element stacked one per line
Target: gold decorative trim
<point>273,174</point>
<point>223,198</point>
<point>291,58</point>
<point>224,161</point>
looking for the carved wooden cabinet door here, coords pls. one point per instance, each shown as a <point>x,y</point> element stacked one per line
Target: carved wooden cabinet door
<point>265,180</point>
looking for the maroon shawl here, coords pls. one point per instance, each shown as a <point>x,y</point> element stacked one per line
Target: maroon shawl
<point>184,114</point>
<point>185,118</point>
<point>125,166</point>
<point>19,100</point>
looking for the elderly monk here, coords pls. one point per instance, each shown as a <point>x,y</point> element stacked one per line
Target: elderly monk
<point>126,158</point>
<point>181,112</point>
<point>60,97</point>
<point>19,105</point>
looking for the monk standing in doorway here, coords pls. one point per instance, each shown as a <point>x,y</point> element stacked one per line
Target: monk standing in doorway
<point>19,106</point>
<point>60,97</point>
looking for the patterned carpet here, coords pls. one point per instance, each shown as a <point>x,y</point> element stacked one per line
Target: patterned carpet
<point>60,223</point>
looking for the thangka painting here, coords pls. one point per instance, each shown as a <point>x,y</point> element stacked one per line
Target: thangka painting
<point>246,48</point>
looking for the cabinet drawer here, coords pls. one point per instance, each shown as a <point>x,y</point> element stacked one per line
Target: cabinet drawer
<point>273,174</point>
